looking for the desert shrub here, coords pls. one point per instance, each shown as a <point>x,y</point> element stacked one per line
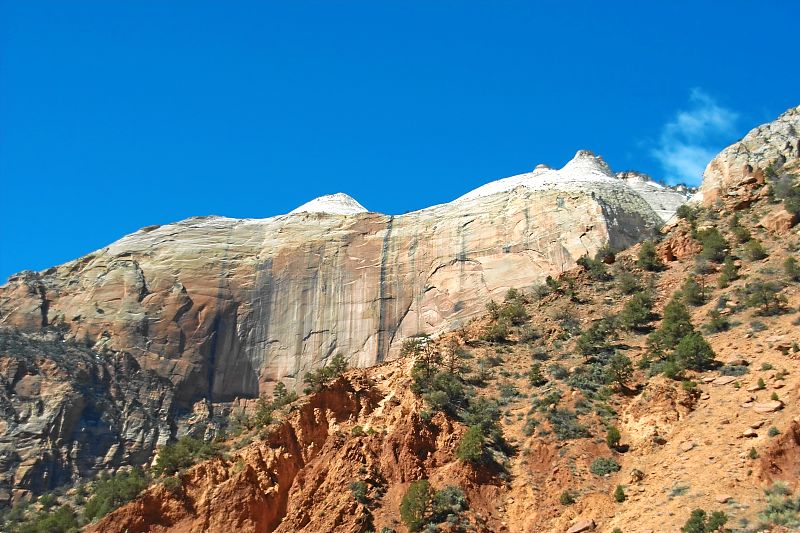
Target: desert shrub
<point>415,504</point>
<point>566,498</point>
<point>700,522</point>
<point>688,213</point>
<point>535,375</point>
<point>676,324</point>
<point>717,322</point>
<point>792,269</point>
<point>604,465</point>
<point>594,340</point>
<point>619,494</point>
<point>613,437</point>
<point>764,295</point>
<point>619,370</point>
<point>694,352</point>
<point>692,292</point>
<point>111,492</point>
<point>529,334</point>
<point>443,391</point>
<point>648,258</point>
<point>513,312</point>
<point>566,426</point>
<point>317,379</point>
<point>637,312</point>
<point>714,245</point>
<point>182,454</point>
<point>733,370</point>
<point>596,269</point>
<point>496,332</point>
<point>627,283</point>
<point>728,273</point>
<point>783,188</point>
<point>773,431</point>
<point>781,508</point>
<point>62,520</point>
<point>753,250</point>
<point>447,502</point>
<point>530,427</point>
<point>588,378</point>
<point>359,491</point>
<point>472,447</point>
<point>558,371</point>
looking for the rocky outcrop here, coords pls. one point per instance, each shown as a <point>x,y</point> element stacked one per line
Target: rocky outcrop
<point>68,411</point>
<point>225,308</point>
<point>664,199</point>
<point>737,174</point>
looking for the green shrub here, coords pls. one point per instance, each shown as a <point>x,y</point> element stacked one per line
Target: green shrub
<point>111,492</point>
<point>415,504</point>
<point>317,379</point>
<point>781,508</point>
<point>496,332</point>
<point>714,245</point>
<point>692,292</point>
<point>604,465</point>
<point>627,283</point>
<point>619,494</point>
<point>535,376</point>
<point>637,312</point>
<point>648,258</point>
<point>753,250</point>
<point>182,454</point>
<point>448,502</point>
<point>594,340</point>
<point>472,448</point>
<point>688,213</point>
<point>694,352</point>
<point>675,325</point>
<point>565,425</point>
<point>359,491</point>
<point>773,432</point>
<point>566,498</point>
<point>728,273</point>
<point>613,437</point>
<point>619,370</point>
<point>596,269</point>
<point>717,322</point>
<point>699,522</point>
<point>792,268</point>
<point>62,520</point>
<point>766,296</point>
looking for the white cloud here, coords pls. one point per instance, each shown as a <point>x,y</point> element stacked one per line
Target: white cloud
<point>689,141</point>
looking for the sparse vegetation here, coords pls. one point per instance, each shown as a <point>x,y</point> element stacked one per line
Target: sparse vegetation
<point>604,465</point>
<point>317,379</point>
<point>112,491</point>
<point>700,522</point>
<point>648,258</point>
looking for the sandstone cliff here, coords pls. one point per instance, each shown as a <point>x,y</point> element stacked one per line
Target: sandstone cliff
<point>224,307</point>
<point>742,168</point>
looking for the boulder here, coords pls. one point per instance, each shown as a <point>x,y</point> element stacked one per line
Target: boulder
<point>582,525</point>
<point>768,407</point>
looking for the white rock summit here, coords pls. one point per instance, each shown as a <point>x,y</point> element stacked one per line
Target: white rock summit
<point>335,204</point>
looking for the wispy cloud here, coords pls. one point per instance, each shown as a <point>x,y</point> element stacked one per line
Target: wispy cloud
<point>689,141</point>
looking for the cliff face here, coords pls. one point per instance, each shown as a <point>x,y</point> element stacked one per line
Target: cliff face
<point>169,323</point>
<point>734,176</point>
<point>224,307</point>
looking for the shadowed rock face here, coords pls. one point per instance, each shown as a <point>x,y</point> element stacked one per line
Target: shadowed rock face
<point>225,307</point>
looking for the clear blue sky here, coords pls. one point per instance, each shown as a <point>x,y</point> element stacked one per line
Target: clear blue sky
<point>119,114</point>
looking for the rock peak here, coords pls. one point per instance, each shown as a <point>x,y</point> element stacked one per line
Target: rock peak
<point>336,204</point>
<point>586,162</point>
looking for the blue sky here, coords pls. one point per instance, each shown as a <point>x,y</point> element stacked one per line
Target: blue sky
<point>116,115</point>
